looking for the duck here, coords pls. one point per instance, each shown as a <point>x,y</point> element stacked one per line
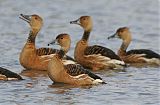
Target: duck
<point>135,55</point>
<point>6,74</point>
<point>73,74</point>
<point>94,57</point>
<point>30,57</point>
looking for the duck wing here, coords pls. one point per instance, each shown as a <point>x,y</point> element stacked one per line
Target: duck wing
<point>76,69</point>
<point>95,49</point>
<point>9,74</point>
<point>147,53</point>
<point>48,51</point>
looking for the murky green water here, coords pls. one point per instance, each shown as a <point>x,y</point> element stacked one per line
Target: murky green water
<point>135,86</point>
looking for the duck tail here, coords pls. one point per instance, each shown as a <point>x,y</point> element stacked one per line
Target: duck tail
<point>99,81</point>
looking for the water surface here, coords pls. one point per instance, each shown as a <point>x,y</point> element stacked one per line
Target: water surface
<point>134,86</point>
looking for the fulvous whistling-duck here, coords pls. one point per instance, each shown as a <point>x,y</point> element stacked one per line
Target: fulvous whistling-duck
<point>8,75</point>
<point>30,57</point>
<point>94,57</point>
<point>73,74</point>
<point>135,55</point>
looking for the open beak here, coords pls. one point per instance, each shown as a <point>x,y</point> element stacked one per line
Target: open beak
<point>113,36</point>
<point>75,22</point>
<point>26,18</point>
<point>55,42</point>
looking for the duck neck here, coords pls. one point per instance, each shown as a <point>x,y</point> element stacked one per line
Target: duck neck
<point>32,36</point>
<point>66,46</point>
<point>125,45</point>
<point>86,35</point>
<point>65,49</point>
<point>61,53</point>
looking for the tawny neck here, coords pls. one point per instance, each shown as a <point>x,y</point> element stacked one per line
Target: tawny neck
<point>86,35</point>
<point>126,41</point>
<point>65,49</point>
<point>66,46</point>
<point>124,46</point>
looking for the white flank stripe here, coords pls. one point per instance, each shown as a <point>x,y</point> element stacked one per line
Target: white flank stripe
<point>66,62</point>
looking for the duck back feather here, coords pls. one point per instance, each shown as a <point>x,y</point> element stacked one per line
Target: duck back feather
<point>48,51</point>
<point>148,53</point>
<point>76,69</point>
<point>9,74</point>
<point>95,49</point>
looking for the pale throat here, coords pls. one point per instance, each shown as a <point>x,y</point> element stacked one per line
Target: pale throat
<point>65,48</point>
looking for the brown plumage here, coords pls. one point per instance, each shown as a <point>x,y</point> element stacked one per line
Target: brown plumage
<point>46,51</point>
<point>30,57</point>
<point>94,57</point>
<point>73,74</point>
<point>135,55</point>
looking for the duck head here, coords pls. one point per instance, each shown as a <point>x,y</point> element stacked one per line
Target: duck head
<point>63,40</point>
<point>34,21</point>
<point>122,33</point>
<point>85,22</point>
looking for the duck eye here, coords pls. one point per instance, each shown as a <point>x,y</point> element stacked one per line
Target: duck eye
<point>36,18</point>
<point>61,38</point>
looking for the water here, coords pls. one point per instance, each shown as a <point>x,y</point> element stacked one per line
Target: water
<point>135,86</point>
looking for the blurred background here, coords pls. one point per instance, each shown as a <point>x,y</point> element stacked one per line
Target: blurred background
<point>124,88</point>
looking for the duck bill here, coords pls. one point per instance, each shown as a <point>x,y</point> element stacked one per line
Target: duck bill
<point>113,36</point>
<point>26,18</point>
<point>54,42</point>
<point>75,22</point>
